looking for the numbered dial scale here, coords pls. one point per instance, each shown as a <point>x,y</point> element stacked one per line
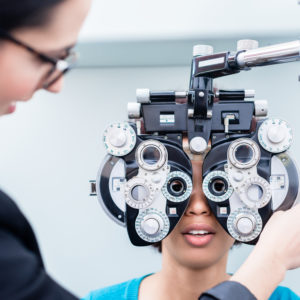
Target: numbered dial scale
<point>216,186</point>
<point>275,135</point>
<point>119,139</point>
<point>244,224</point>
<point>152,225</point>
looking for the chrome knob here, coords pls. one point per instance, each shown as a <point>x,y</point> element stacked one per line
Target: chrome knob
<point>202,50</point>
<point>247,45</point>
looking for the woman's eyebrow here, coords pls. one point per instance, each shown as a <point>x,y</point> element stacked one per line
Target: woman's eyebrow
<point>59,52</point>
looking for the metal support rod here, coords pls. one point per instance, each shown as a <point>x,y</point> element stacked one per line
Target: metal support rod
<point>269,55</point>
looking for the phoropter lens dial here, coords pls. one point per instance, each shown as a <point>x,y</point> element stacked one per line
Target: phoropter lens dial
<point>275,135</point>
<point>119,139</point>
<point>151,155</point>
<point>244,153</point>
<point>244,224</point>
<point>216,186</point>
<point>138,193</point>
<point>178,187</point>
<point>152,225</point>
<point>255,192</point>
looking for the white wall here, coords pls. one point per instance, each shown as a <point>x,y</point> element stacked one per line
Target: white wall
<point>51,147</point>
<point>176,19</point>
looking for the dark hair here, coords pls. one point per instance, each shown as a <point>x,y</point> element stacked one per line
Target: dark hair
<point>15,14</point>
<point>157,245</point>
<point>159,248</point>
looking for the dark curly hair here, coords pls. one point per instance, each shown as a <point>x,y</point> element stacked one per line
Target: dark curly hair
<point>15,14</point>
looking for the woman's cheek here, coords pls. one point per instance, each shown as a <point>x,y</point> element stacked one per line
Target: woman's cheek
<point>19,76</point>
<point>18,87</point>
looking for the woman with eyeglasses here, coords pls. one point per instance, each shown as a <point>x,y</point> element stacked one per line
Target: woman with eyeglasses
<point>36,40</point>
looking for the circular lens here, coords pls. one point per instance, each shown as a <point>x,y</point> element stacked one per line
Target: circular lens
<point>176,187</point>
<point>254,192</point>
<point>151,155</point>
<point>218,186</point>
<point>139,193</point>
<point>243,154</point>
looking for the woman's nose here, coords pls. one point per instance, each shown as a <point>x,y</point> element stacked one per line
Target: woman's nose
<point>198,204</point>
<point>57,86</point>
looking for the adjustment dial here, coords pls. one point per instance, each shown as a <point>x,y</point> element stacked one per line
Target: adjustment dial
<point>119,139</point>
<point>255,192</point>
<point>152,225</point>
<point>138,193</point>
<point>275,135</point>
<point>244,224</point>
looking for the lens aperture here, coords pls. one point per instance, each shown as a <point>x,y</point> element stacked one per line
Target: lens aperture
<point>176,187</point>
<point>151,155</point>
<point>218,186</point>
<point>255,192</point>
<point>243,154</point>
<point>139,193</point>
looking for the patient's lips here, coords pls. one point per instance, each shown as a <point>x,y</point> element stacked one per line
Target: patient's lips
<point>198,234</point>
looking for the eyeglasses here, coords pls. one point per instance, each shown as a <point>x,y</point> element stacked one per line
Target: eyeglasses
<point>60,66</point>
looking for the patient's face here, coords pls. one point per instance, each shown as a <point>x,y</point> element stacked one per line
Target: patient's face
<point>198,240</point>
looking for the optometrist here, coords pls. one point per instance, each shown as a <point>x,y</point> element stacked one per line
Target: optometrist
<point>36,40</point>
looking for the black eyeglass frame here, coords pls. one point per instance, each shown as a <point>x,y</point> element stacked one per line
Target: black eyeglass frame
<point>61,65</point>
